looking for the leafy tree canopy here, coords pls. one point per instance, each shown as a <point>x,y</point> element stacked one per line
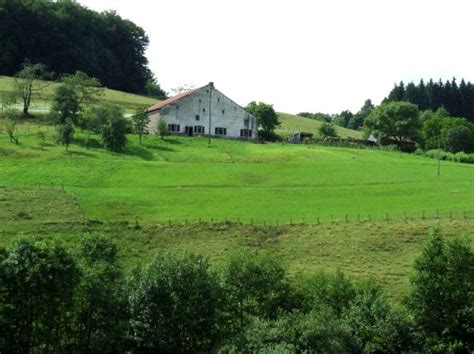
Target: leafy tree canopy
<point>69,37</point>
<point>396,120</point>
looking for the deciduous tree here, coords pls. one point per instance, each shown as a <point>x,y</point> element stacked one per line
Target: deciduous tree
<point>267,119</point>
<point>140,121</point>
<point>396,120</point>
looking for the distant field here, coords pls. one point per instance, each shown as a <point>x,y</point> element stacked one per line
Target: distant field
<point>42,103</point>
<point>292,123</point>
<point>183,178</point>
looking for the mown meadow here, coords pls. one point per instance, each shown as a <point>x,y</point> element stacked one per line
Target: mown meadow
<point>180,178</point>
<point>366,212</point>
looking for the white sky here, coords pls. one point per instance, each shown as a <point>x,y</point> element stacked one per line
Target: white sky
<point>300,55</point>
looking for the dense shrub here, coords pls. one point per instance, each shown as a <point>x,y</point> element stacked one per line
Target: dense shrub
<point>448,156</point>
<point>442,294</point>
<point>327,130</point>
<point>174,305</point>
<point>255,285</point>
<point>55,301</point>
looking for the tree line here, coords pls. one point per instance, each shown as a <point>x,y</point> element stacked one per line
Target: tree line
<point>67,37</point>
<point>457,99</point>
<point>57,300</point>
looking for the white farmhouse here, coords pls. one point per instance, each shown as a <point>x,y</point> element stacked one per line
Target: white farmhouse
<point>203,110</point>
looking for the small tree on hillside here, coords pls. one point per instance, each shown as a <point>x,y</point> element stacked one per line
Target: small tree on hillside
<point>114,128</point>
<point>11,118</point>
<point>267,118</point>
<point>65,134</point>
<point>70,97</point>
<point>140,121</point>
<point>162,128</point>
<point>327,130</point>
<point>28,84</point>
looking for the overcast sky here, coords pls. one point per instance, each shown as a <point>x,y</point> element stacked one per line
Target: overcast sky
<point>323,56</point>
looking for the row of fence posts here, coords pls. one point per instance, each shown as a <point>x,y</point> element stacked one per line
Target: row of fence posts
<point>318,220</point>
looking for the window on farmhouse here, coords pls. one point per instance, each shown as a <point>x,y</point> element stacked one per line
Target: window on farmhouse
<point>203,110</point>
<point>199,129</point>
<point>197,116</point>
<point>174,128</point>
<point>223,111</point>
<point>221,131</point>
<point>246,133</point>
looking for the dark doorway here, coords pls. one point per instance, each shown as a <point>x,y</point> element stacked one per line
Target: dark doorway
<point>189,131</point>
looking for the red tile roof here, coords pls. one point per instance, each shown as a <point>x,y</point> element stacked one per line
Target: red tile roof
<point>166,102</point>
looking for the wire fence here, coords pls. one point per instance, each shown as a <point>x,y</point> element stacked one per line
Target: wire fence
<point>322,220</point>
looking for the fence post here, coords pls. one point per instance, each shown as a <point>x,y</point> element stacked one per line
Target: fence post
<point>423,215</point>
<point>318,220</point>
<point>358,217</point>
<point>251,221</point>
<point>450,215</point>
<point>386,216</point>
<point>347,218</point>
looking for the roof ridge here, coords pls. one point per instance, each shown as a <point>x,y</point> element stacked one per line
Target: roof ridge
<point>170,100</point>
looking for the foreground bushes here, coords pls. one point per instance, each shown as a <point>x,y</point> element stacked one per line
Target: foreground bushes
<point>52,300</point>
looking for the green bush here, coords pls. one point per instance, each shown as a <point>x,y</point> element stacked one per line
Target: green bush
<point>174,305</point>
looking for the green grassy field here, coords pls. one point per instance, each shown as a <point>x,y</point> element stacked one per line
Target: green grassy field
<point>383,250</point>
<point>183,178</point>
<point>366,212</point>
<point>46,193</point>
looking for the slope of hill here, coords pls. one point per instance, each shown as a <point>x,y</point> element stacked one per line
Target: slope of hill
<point>183,178</point>
<point>140,196</point>
<point>42,103</point>
<point>291,123</point>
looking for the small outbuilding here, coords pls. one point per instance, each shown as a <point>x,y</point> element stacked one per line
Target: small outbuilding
<point>298,138</point>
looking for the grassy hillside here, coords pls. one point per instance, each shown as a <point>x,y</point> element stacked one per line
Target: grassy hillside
<point>184,178</point>
<point>381,250</point>
<point>42,103</point>
<point>291,124</point>
<point>46,193</point>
